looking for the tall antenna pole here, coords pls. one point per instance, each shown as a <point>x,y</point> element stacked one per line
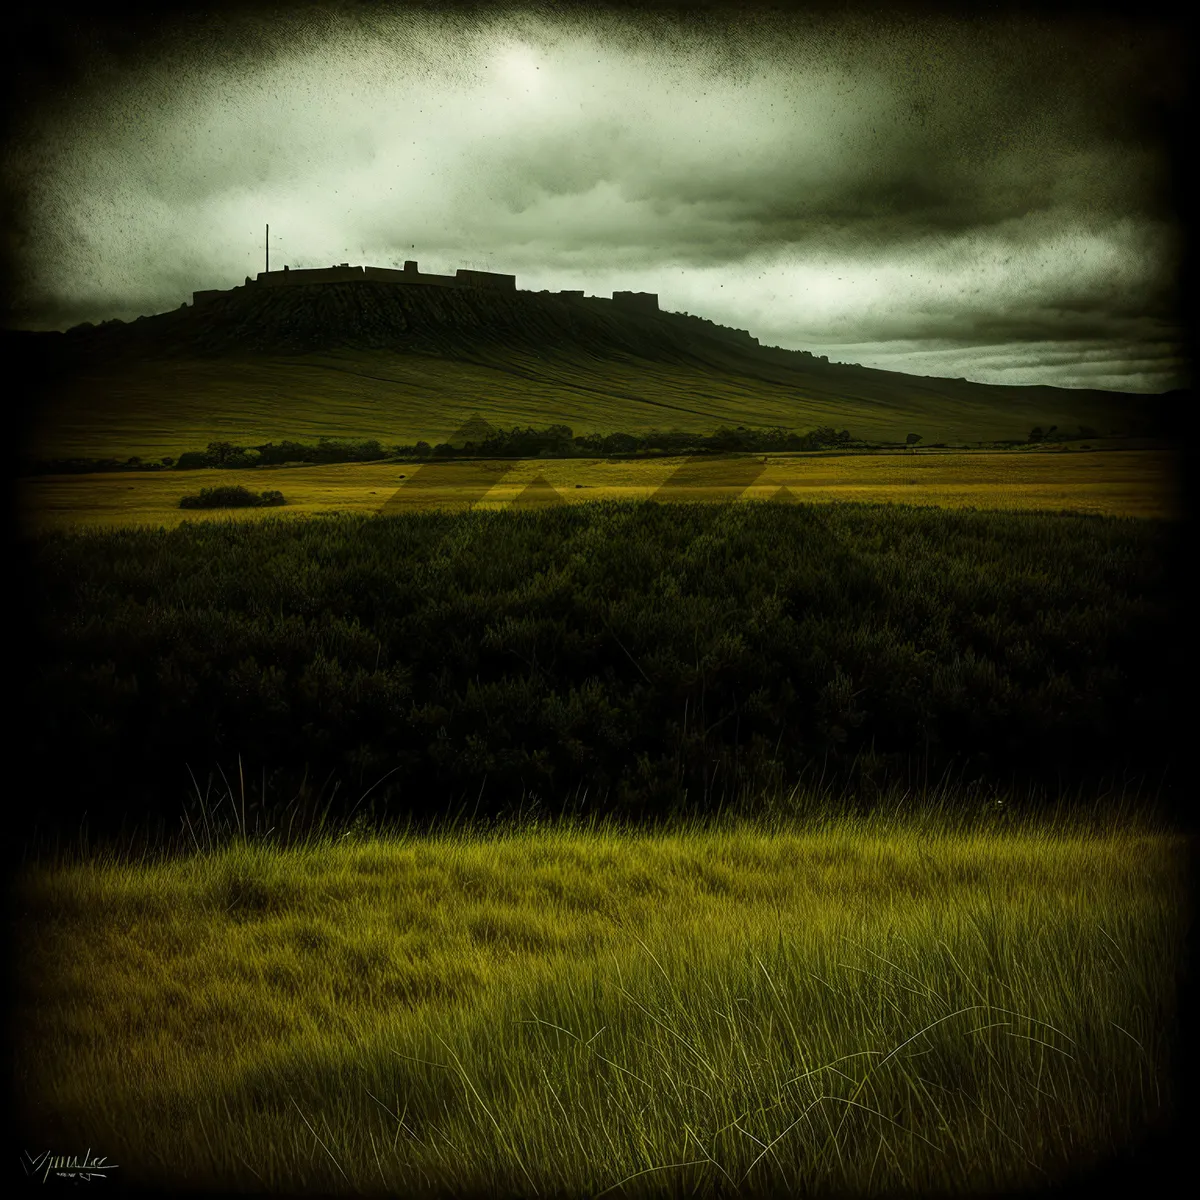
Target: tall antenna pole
<point>268,249</point>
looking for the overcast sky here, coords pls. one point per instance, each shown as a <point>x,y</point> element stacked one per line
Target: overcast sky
<point>990,200</point>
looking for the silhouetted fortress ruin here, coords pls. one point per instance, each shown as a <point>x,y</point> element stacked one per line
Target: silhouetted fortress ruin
<point>646,302</point>
<point>413,276</point>
<point>637,303</point>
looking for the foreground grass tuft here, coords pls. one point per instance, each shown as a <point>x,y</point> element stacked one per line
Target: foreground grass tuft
<point>860,1005</point>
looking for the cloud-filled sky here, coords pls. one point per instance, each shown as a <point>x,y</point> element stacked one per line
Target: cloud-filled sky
<point>989,199</point>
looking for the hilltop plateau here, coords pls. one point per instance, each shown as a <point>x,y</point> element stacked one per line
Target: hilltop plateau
<point>371,359</point>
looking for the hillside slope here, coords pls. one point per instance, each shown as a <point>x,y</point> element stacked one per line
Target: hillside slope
<point>397,363</point>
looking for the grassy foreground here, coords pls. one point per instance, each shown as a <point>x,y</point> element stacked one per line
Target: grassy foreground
<point>872,1005</point>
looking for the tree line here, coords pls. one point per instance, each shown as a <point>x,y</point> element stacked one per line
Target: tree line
<point>557,441</point>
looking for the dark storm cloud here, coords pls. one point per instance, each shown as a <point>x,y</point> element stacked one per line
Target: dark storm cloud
<point>914,131</point>
<point>858,182</point>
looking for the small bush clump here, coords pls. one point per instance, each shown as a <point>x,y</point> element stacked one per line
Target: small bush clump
<point>231,497</point>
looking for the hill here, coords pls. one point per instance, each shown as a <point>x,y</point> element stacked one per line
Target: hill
<point>399,363</point>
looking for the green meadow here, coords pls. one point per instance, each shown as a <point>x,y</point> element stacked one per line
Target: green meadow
<point>156,406</point>
<point>922,1001</point>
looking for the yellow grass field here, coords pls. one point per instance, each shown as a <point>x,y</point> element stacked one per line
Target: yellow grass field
<point>1138,483</point>
<point>873,1010</point>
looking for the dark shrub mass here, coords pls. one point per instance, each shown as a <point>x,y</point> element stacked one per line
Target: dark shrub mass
<point>639,658</point>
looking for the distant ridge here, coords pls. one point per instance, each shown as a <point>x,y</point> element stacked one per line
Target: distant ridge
<point>376,315</point>
<point>373,358</point>
<point>465,323</point>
